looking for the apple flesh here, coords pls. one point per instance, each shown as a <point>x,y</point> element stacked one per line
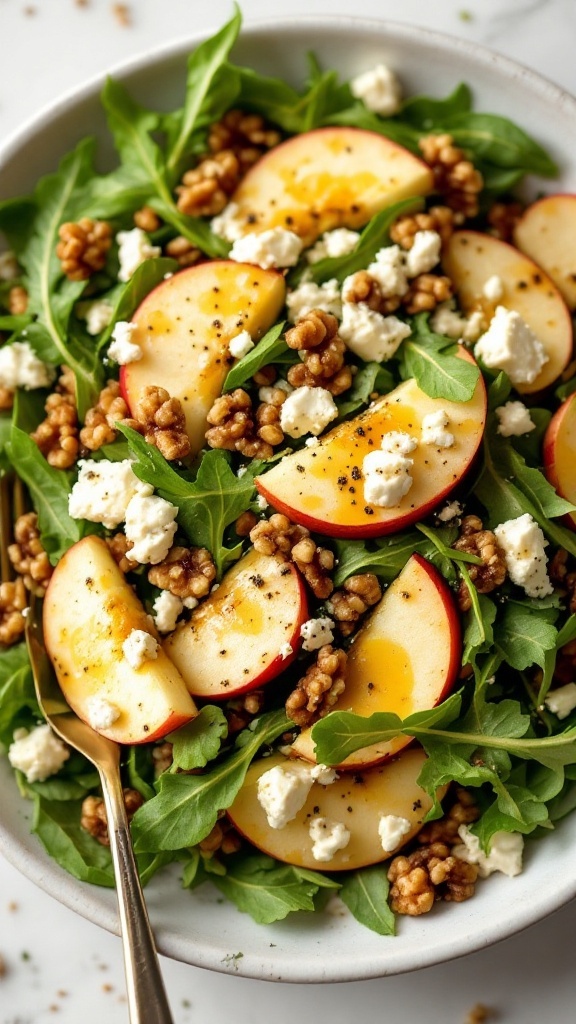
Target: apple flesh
<point>321,486</point>
<point>358,801</point>
<point>184,327</point>
<point>559,454</point>
<point>236,639</point>
<point>89,610</point>
<point>325,179</point>
<point>471,258</point>
<point>546,232</point>
<point>404,659</point>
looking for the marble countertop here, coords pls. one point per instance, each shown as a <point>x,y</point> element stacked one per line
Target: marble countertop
<point>59,967</point>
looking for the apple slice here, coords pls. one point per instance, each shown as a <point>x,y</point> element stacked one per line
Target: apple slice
<point>471,258</point>
<point>404,659</point>
<point>184,327</point>
<point>245,633</point>
<point>321,486</point>
<point>546,232</point>
<point>358,801</point>
<point>327,178</point>
<point>89,611</point>
<point>559,454</point>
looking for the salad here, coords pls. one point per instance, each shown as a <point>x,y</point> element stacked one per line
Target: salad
<point>291,394</point>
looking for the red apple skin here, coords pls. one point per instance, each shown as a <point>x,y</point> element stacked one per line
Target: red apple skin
<point>373,526</point>
<point>559,455</point>
<point>545,232</point>
<point>186,654</point>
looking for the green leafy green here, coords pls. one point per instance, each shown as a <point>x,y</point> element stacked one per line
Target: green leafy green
<point>523,637</point>
<point>369,378</point>
<point>385,557</point>
<point>365,893</point>
<point>265,889</point>
<point>199,742</point>
<point>268,350</point>
<point>426,112</point>
<point>143,280</point>
<point>17,696</point>
<point>433,361</point>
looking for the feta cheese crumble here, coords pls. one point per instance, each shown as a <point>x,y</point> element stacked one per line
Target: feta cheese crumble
<point>505,852</point>
<point>510,345</point>
<point>38,754</point>
<point>523,543</point>
<point>434,430</point>
<point>493,289</point>
<point>450,512</point>
<point>21,368</point>
<point>327,837</point>
<point>104,490</point>
<point>308,296</point>
<point>307,411</point>
<point>273,248</point>
<point>386,471</point>
<point>424,254</point>
<point>101,713</point>
<point>150,526</point>
<point>514,419</point>
<point>282,792</point>
<point>446,321</point>
<point>389,270</point>
<point>240,345</point>
<point>332,244</point>
<point>369,334</point>
<point>167,607</point>
<point>134,247</point>
<point>398,441</point>
<point>392,829</point>
<point>323,774</point>
<point>286,650</point>
<point>562,701</point>
<point>316,632</point>
<point>98,316</point>
<point>140,647</point>
<point>228,224</point>
<point>379,89</point>
<point>123,350</point>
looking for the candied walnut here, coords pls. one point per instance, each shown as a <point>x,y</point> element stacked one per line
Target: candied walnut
<point>28,556</point>
<point>428,874</point>
<point>94,819</point>
<point>268,417</point>
<point>412,891</point>
<point>83,247</point>
<point>185,572</point>
<point>455,177</point>
<point>119,547</point>
<point>163,422</point>
<point>364,288</point>
<point>278,535</point>
<point>240,712</point>
<point>438,218</point>
<point>318,691</point>
<point>162,758</point>
<point>503,218</point>
<point>247,135</point>
<point>147,219</point>
<point>312,330</point>
<point>6,399</point>
<point>233,427</point>
<point>358,593</point>
<point>57,435</point>
<point>245,523</point>
<point>205,189</point>
<point>564,577</point>
<point>183,251</point>
<point>222,839</point>
<point>265,376</point>
<point>12,605</point>
<point>323,367</point>
<point>445,830</point>
<point>426,292</point>
<point>110,409</point>
<point>475,540</point>
<point>17,300</point>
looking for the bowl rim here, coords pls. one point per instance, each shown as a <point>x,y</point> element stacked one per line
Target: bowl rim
<point>35,864</point>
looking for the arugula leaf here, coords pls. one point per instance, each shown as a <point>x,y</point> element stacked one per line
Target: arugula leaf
<point>140,769</point>
<point>431,359</point>
<point>523,637</point>
<point>17,694</point>
<point>199,742</point>
<point>370,377</point>
<point>143,280</point>
<point>268,350</point>
<point>16,220</point>
<point>478,629</point>
<point>57,825</point>
<point>365,893</point>
<point>207,505</point>
<point>186,807</point>
<point>358,116</point>
<point>499,141</point>
<point>426,112</point>
<point>265,889</point>
<point>386,557</point>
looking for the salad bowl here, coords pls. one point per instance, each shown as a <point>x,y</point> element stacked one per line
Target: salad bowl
<point>198,928</point>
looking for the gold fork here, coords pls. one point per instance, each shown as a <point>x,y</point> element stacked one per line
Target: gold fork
<point>147,1000</point>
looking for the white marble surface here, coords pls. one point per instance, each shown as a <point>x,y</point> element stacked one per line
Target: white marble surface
<point>58,966</point>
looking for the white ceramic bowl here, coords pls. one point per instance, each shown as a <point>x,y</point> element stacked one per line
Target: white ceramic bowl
<point>197,928</point>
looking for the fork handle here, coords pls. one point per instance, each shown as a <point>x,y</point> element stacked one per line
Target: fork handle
<point>147,1000</point>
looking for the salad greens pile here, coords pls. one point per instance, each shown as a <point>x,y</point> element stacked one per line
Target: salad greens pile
<point>494,734</point>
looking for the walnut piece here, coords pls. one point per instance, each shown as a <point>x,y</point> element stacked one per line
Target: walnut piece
<point>185,572</point>
<point>163,421</point>
<point>57,435</point>
<point>110,408</point>
<point>455,177</point>
<point>428,874</point>
<point>6,399</point>
<point>241,711</point>
<point>358,593</point>
<point>205,190</point>
<point>426,292</point>
<point>438,218</point>
<point>162,758</point>
<point>475,540</point>
<point>503,217</point>
<point>94,819</point>
<point>223,838</point>
<point>247,135</point>
<point>322,352</point>
<point>17,300</point>
<point>12,604</point>
<point>234,427</point>
<point>183,251</point>
<point>147,219</point>
<point>28,556</point>
<point>445,830</point>
<point>83,247</point>
<point>364,288</point>
<point>119,547</point>
<point>318,691</point>
<point>278,535</point>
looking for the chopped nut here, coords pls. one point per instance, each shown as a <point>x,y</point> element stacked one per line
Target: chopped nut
<point>28,556</point>
<point>475,540</point>
<point>17,300</point>
<point>147,219</point>
<point>183,251</point>
<point>205,190</point>
<point>110,408</point>
<point>6,399</point>
<point>318,691</point>
<point>278,535</point>
<point>429,873</point>
<point>268,418</point>
<point>57,435</point>
<point>313,329</point>
<point>83,247</point>
<point>185,572</point>
<point>455,178</point>
<point>119,547</point>
<point>233,427</point>
<point>322,360</point>
<point>240,712</point>
<point>12,604</point>
<point>163,421</point>
<point>94,819</point>
<point>426,292</point>
<point>445,830</point>
<point>247,135</point>
<point>364,288</point>
<point>223,838</point>
<point>503,217</point>
<point>245,523</point>
<point>162,758</point>
<point>265,376</point>
<point>358,594</point>
<point>438,218</point>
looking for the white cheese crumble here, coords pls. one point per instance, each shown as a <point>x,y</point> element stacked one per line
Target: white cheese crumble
<point>369,334</point>
<point>167,607</point>
<point>332,244</point>
<point>150,526</point>
<point>510,345</point>
<point>379,89</point>
<point>101,713</point>
<point>327,837</point>
<point>323,774</point>
<point>38,754</point>
<point>387,471</point>
<point>450,512</point>
<point>505,852</point>
<point>123,350</point>
<point>311,442</point>
<point>191,602</point>
<point>424,254</point>
<point>103,491</point>
<point>98,316</point>
<point>434,430</point>
<point>392,829</point>
<point>562,701</point>
<point>240,345</point>
<point>316,632</point>
<point>493,288</point>
<point>134,248</point>
<point>446,321</point>
<point>286,650</point>
<point>398,441</point>
<point>307,411</point>
<point>514,419</point>
<point>261,502</point>
<point>228,224</point>
<point>21,368</point>
<point>273,248</point>
<point>300,301</point>
<point>140,647</point>
<point>9,268</point>
<point>389,270</point>
<point>266,393</point>
<point>523,543</point>
<point>282,792</point>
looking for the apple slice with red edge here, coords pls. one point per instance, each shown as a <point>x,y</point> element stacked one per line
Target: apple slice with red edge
<point>327,178</point>
<point>89,611</point>
<point>236,640</point>
<point>184,327</point>
<point>405,658</point>
<point>559,454</point>
<point>356,800</point>
<point>470,258</point>
<point>321,486</point>
<point>546,232</point>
